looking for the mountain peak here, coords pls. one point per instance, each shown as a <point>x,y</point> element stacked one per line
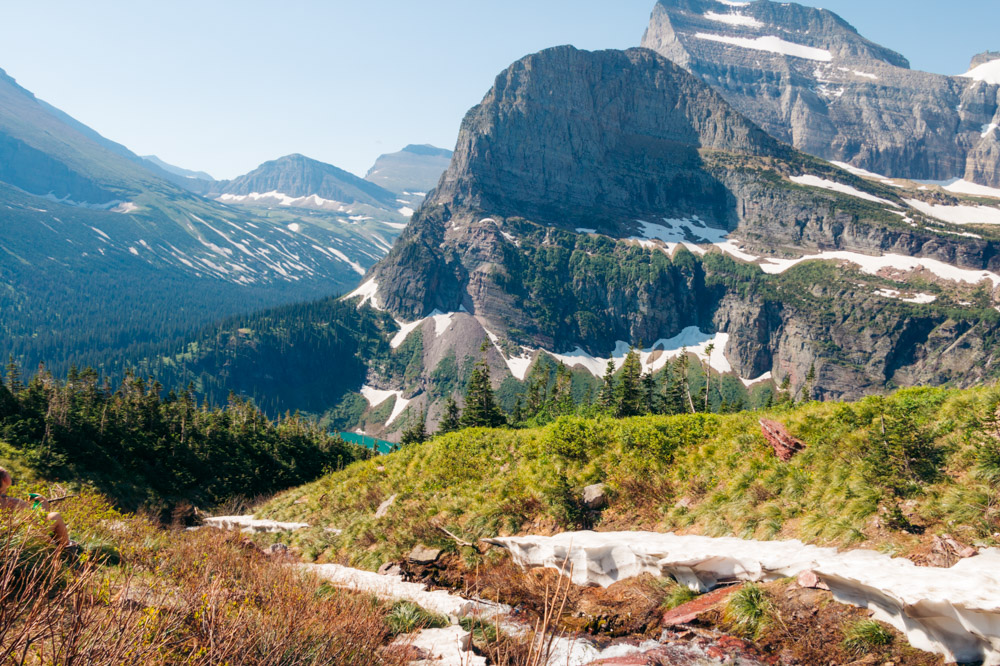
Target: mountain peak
<point>296,175</point>
<point>683,29</point>
<point>427,149</point>
<point>978,59</point>
<point>413,171</point>
<point>573,137</point>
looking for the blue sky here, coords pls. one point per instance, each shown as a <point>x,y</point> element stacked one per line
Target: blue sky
<point>223,85</point>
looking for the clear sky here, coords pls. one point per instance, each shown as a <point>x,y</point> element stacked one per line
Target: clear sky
<point>223,85</point>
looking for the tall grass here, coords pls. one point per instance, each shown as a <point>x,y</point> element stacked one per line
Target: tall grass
<point>176,598</point>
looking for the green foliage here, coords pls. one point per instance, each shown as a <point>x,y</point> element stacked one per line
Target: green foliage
<point>748,611</point>
<point>481,408</point>
<point>146,450</point>
<point>704,473</point>
<point>451,420</point>
<point>407,617</point>
<point>865,636</point>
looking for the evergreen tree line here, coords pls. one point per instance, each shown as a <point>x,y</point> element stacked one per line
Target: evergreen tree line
<point>624,392</point>
<point>149,450</point>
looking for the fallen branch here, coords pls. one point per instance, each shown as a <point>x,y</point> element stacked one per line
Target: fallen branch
<point>456,539</point>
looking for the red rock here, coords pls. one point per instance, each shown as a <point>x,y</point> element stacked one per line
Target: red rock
<point>808,579</point>
<point>690,611</point>
<point>785,446</point>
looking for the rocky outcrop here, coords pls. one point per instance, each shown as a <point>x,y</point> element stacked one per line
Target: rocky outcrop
<point>785,446</point>
<point>530,148</point>
<point>808,78</point>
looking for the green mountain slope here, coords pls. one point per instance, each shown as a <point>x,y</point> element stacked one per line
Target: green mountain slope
<point>106,259</point>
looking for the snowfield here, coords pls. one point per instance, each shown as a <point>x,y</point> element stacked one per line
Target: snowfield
<point>376,397</point>
<point>771,44</point>
<point>988,72</point>
<point>823,183</point>
<point>958,214</point>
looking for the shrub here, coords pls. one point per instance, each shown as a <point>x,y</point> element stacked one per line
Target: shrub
<point>864,636</point>
<point>749,611</point>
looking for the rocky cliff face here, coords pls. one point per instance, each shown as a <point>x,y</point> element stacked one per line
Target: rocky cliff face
<point>587,202</point>
<point>808,78</point>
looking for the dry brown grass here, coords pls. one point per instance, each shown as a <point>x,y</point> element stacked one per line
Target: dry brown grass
<point>175,598</point>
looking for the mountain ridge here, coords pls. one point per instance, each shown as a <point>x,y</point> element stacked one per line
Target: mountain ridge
<point>808,78</point>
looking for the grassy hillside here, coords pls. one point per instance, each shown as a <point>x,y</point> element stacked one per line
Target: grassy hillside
<point>886,472</point>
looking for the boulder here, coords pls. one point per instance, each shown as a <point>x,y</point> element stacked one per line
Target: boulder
<point>785,446</point>
<point>277,550</point>
<point>390,569</point>
<point>595,497</point>
<point>809,580</point>
<point>690,611</point>
<point>421,554</point>
<point>383,508</point>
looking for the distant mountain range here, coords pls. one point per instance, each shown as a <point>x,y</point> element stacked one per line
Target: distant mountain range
<point>107,251</point>
<point>177,171</point>
<point>413,171</point>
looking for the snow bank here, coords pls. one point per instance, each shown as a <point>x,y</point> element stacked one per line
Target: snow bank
<point>518,365</point>
<point>442,321</point>
<point>954,612</point>
<point>376,397</point>
<point>958,214</point>
<point>443,647</point>
<point>250,524</point>
<point>988,72</point>
<point>961,186</point>
<point>394,588</point>
<point>872,265</point>
<point>655,357</point>
<point>368,291</point>
<point>450,646</point>
<point>734,19</point>
<point>916,298</point>
<point>816,181</point>
<point>772,44</point>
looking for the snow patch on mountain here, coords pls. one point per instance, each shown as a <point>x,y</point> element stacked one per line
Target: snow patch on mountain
<point>988,72</point>
<point>690,340</point>
<point>872,265</point>
<point>734,19</point>
<point>368,291</point>
<point>376,397</point>
<point>960,186</point>
<point>917,298</point>
<point>771,44</point>
<point>958,214</point>
<point>822,183</point>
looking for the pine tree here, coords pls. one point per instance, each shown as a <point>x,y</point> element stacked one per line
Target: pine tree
<point>451,420</point>
<point>606,399</point>
<point>807,387</point>
<point>650,393</point>
<point>629,391</point>
<point>708,372</point>
<point>681,372</point>
<point>562,394</point>
<point>481,408</point>
<point>416,433</point>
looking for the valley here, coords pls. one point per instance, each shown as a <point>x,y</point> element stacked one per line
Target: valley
<point>686,354</point>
